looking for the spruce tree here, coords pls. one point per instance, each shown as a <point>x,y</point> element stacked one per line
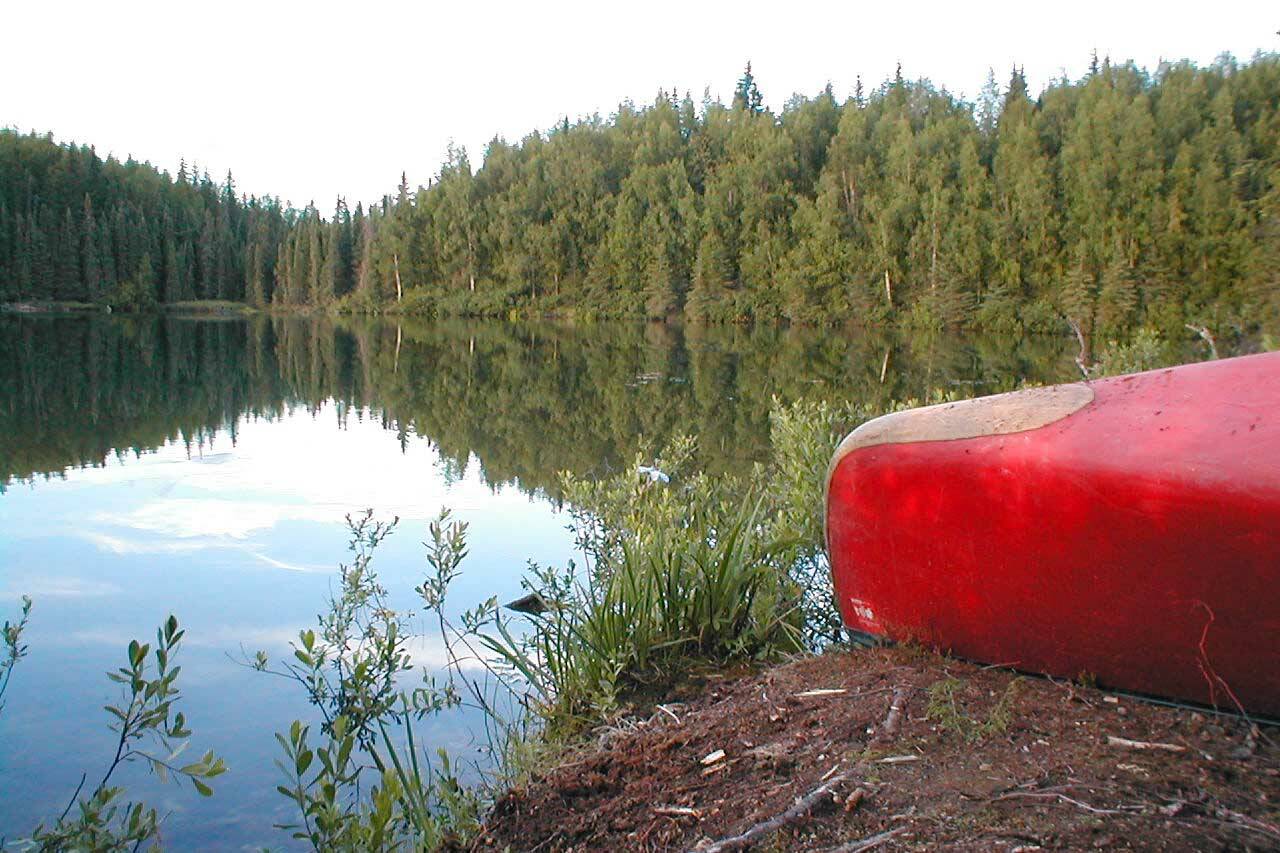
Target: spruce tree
<point>746,96</point>
<point>90,265</point>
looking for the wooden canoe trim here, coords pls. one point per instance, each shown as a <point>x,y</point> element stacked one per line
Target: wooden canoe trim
<point>1001,414</point>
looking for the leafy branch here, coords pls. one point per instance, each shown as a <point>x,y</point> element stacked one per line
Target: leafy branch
<point>146,713</point>
<point>14,649</point>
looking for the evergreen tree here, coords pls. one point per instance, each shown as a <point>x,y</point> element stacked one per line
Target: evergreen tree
<point>90,266</point>
<point>747,95</point>
<point>1121,199</point>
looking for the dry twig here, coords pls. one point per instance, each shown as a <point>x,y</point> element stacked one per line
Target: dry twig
<point>677,811</point>
<point>822,691</point>
<point>868,842</point>
<point>1245,822</point>
<point>806,804</point>
<point>799,809</point>
<point>670,713</point>
<point>1054,795</point>
<point>1144,744</point>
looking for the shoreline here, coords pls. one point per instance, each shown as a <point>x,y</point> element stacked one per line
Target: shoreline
<point>900,748</point>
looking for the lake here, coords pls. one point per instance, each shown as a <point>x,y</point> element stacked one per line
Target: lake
<point>204,467</point>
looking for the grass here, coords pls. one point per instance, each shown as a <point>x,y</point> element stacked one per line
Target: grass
<point>683,571</point>
<point>656,606</point>
<point>950,711</point>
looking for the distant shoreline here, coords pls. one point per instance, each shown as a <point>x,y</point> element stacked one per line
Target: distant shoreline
<point>199,306</point>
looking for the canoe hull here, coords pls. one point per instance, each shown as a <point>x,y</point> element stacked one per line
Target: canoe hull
<point>1126,530</point>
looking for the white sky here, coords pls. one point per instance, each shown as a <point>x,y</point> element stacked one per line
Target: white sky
<point>312,100</point>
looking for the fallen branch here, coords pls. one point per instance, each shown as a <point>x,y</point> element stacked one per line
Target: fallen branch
<point>822,691</point>
<point>802,806</point>
<point>868,842</point>
<point>670,713</point>
<point>1245,822</point>
<point>1144,744</point>
<point>799,809</point>
<point>1050,795</point>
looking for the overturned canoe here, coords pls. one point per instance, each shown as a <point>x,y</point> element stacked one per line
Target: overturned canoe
<point>1125,529</point>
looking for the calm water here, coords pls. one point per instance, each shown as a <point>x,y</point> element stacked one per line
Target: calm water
<point>204,468</point>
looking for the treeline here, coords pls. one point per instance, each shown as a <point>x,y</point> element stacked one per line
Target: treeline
<point>77,228</point>
<point>1123,198</point>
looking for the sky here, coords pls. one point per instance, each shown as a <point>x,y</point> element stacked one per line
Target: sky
<point>309,101</point>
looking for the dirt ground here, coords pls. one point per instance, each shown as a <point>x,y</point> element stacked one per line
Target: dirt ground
<point>900,749</point>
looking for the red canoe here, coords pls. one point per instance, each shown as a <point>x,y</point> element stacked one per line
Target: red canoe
<point>1126,529</point>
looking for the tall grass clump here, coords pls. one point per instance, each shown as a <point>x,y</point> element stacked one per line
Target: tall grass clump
<point>705,587</point>
<point>681,570</point>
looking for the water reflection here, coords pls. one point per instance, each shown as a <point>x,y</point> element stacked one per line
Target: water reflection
<point>527,401</point>
<point>204,468</point>
<point>240,541</point>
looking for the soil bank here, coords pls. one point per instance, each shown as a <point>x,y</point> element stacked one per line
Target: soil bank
<point>972,759</point>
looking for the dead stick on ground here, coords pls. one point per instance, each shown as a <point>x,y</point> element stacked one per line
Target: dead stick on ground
<point>868,842</point>
<point>805,804</point>
<point>676,811</point>
<point>799,809</point>
<point>894,720</point>
<point>1246,822</point>
<point>1144,744</point>
<point>1045,795</point>
<point>670,713</point>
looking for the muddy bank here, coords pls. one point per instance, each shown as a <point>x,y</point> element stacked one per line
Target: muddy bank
<point>897,749</point>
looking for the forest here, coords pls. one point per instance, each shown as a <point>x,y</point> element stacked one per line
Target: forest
<point>1122,199</point>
